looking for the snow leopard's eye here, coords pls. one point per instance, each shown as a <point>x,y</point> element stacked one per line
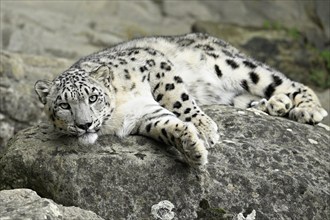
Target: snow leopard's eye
<point>92,98</point>
<point>64,106</point>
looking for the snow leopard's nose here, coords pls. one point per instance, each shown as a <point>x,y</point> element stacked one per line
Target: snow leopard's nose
<point>84,126</point>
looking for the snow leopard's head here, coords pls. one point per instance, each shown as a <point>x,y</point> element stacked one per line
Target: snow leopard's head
<point>78,102</point>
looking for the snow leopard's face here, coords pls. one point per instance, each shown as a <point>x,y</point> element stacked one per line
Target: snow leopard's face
<point>75,103</point>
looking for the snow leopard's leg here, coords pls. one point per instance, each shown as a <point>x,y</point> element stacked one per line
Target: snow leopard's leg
<point>170,92</point>
<point>283,97</point>
<point>161,124</point>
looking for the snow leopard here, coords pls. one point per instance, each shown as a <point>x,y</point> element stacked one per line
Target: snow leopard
<point>154,87</point>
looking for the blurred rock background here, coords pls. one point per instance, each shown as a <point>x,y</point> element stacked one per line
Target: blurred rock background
<point>40,39</point>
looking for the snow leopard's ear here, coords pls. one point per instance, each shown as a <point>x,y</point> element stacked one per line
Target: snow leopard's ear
<point>42,88</point>
<point>103,74</point>
<point>100,72</point>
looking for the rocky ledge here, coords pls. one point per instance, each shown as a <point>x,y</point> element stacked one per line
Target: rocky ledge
<point>26,204</point>
<point>276,167</point>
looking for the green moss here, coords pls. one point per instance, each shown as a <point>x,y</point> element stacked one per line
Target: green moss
<point>320,78</point>
<point>292,32</point>
<point>273,25</point>
<point>320,74</point>
<point>325,56</point>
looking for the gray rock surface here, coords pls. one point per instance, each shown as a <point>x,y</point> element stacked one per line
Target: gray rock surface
<point>277,167</point>
<point>26,204</point>
<point>72,29</point>
<point>6,132</point>
<point>305,16</point>
<point>19,106</point>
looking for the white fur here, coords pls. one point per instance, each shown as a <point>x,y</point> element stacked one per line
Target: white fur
<point>88,139</point>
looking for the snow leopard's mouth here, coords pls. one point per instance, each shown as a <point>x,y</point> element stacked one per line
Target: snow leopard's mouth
<point>86,134</point>
<point>81,132</point>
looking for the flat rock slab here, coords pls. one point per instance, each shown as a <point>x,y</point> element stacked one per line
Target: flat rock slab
<point>275,166</point>
<point>26,204</point>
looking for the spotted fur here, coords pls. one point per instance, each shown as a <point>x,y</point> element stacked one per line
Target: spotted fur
<point>154,86</point>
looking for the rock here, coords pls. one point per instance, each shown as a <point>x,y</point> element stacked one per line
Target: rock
<point>323,14</point>
<point>196,10</point>
<point>236,35</point>
<point>163,210</point>
<point>6,132</point>
<point>325,101</point>
<point>26,204</point>
<point>59,34</point>
<point>308,17</point>
<point>275,166</point>
<point>75,29</point>
<point>19,105</point>
<point>304,16</point>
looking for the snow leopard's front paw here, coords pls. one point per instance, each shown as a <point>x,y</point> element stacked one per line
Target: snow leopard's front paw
<point>277,105</point>
<point>193,146</point>
<point>311,114</point>
<point>208,129</point>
